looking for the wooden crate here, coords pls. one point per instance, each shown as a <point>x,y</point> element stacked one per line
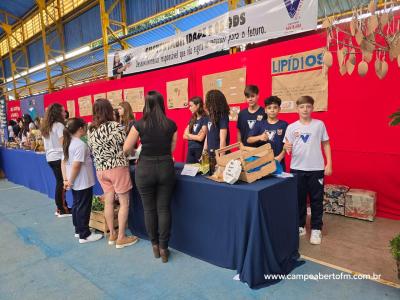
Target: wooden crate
<point>98,221</point>
<point>265,154</point>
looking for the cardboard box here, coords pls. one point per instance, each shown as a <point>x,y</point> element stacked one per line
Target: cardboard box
<point>334,198</point>
<point>360,204</point>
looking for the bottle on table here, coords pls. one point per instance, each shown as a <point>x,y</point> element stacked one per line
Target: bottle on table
<point>212,161</point>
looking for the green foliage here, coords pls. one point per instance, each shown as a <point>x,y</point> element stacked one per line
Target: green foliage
<point>395,247</point>
<point>395,118</point>
<point>97,205</point>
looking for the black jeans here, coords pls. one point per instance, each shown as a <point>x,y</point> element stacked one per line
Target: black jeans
<point>310,183</point>
<point>155,180</point>
<point>132,167</point>
<point>193,155</point>
<point>81,211</point>
<point>59,196</point>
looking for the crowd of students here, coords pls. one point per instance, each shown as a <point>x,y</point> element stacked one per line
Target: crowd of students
<point>19,129</point>
<point>113,137</point>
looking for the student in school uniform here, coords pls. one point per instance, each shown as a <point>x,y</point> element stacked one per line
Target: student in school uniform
<point>249,116</point>
<point>270,130</point>
<point>218,121</point>
<point>78,176</point>
<point>304,141</point>
<point>196,131</point>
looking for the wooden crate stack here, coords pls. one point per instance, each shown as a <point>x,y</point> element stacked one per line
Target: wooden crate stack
<point>98,221</point>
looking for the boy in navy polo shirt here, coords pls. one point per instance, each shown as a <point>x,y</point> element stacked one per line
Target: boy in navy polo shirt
<point>249,116</point>
<point>270,130</point>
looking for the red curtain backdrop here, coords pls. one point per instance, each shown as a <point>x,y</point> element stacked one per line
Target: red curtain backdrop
<point>365,150</point>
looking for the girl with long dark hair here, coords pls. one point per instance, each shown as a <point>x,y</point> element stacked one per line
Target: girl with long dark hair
<point>77,170</point>
<point>155,172</point>
<point>106,138</point>
<point>218,123</point>
<point>196,131</point>
<point>52,132</point>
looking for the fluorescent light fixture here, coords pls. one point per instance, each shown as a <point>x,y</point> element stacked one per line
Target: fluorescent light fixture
<point>77,52</point>
<point>37,67</point>
<point>201,2</point>
<point>59,58</point>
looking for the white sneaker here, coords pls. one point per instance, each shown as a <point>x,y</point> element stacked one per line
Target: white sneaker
<point>316,237</point>
<point>302,231</point>
<point>56,213</point>
<point>64,215</point>
<point>91,238</point>
<point>76,235</point>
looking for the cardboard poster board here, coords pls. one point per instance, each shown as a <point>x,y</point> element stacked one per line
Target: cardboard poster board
<point>135,97</point>
<point>99,96</point>
<point>231,83</point>
<point>290,87</point>
<point>71,108</point>
<point>85,106</point>
<point>115,97</point>
<point>300,74</point>
<point>177,93</point>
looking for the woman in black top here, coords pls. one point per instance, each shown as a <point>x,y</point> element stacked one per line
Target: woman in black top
<point>155,173</point>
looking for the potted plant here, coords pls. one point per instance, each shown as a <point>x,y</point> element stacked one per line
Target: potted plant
<point>97,203</point>
<point>97,219</point>
<point>395,249</point>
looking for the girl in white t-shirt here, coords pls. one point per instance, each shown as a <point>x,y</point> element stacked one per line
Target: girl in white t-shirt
<point>52,132</point>
<point>77,170</point>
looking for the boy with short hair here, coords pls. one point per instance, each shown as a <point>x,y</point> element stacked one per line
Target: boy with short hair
<point>249,116</point>
<point>270,129</point>
<point>303,140</point>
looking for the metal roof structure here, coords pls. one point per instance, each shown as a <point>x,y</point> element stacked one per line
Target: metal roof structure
<point>81,24</point>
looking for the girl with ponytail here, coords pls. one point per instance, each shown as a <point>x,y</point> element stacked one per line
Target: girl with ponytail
<point>78,176</point>
<point>52,132</point>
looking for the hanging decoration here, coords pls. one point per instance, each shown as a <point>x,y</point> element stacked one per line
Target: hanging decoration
<point>372,34</point>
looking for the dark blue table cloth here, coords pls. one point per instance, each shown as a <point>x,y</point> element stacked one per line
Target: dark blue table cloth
<point>31,170</point>
<point>251,228</point>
